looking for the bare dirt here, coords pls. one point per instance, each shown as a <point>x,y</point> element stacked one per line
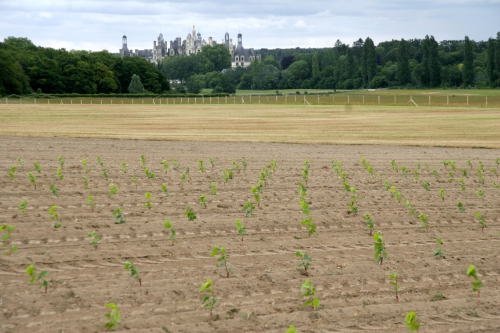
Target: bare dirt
<point>263,294</point>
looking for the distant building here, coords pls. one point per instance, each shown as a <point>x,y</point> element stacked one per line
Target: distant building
<point>191,45</point>
<point>240,57</point>
<point>125,52</point>
<point>160,50</point>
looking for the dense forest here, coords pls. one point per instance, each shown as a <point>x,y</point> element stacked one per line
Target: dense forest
<point>415,63</point>
<point>26,68</point>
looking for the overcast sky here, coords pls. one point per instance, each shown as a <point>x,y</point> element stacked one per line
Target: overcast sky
<point>98,25</point>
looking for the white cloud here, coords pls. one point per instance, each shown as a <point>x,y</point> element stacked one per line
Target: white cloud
<point>300,24</point>
<point>45,14</point>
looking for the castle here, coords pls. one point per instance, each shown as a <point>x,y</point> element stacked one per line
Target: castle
<point>194,43</point>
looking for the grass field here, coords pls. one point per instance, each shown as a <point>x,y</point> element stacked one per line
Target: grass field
<point>367,125</point>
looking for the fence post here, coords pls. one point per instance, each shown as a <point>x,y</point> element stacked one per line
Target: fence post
<point>234,99</point>
<point>295,98</point>
<point>276,98</point>
<point>447,100</point>
<point>226,99</point>
<point>363,99</point>
<point>318,99</point>
<point>259,99</point>
<point>82,102</point>
<point>347,99</point>
<point>429,100</point>
<point>467,100</point>
<point>378,100</point>
<point>7,102</point>
<point>210,99</point>
<point>486,100</point>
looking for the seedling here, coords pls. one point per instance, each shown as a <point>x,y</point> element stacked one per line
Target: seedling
<point>61,161</point>
<point>445,163</point>
<point>398,196</point>
<point>426,185</point>
<point>147,204</point>
<point>452,165</point>
<point>273,166</point>
<point>369,223</point>
<point>305,207</point>
<point>305,175</point>
<point>124,167</point>
<point>222,253</point>
<point>119,216</point>
<point>427,167</point>
<point>84,165</point>
<point>461,207</point>
<point>495,171</point>
<point>309,225</point>
<point>245,164</point>
<point>480,193</point>
<point>302,190</point>
<point>165,165</point>
<point>482,221</point>
<point>164,190</point>
<point>353,208</point>
<point>424,221</point>
<point>305,261</point>
<point>32,179</point>
<point>54,217</point>
<point>91,203</point>
<point>6,242</point>
<point>379,248</point>
<point>236,166</point>
<point>99,161</point>
<point>256,194</point>
<point>203,200</point>
<point>476,284</point>
<point>21,162</point>
<point>59,173</point>
<point>112,189</point>
<point>394,282</point>
<point>31,271</point>
<point>189,213</point>
<point>418,165</point>
<point>263,176</point>
<point>415,173</point>
<point>451,179</point>
<point>441,194</point>
<point>213,189</point>
<point>200,166</point>
<point>208,300</point>
<point>37,167</point>
<point>169,227</point>
<point>435,173</point>
<point>497,162</point>
<point>347,187</point>
<point>240,228</point>
<point>439,253</point>
<point>85,183</point>
<point>104,172</point>
<point>248,209</point>
<point>143,161</point>
<point>469,163</point>
<point>410,321</point>
<point>387,186</point>
<point>94,239</point>
<point>309,292</point>
<point>227,175</point>
<point>23,207</point>
<point>175,164</point>
<point>134,180</point>
<point>183,178</point>
<point>481,166</point>
<point>409,207</point>
<point>462,184</point>
<point>370,171</point>
<point>496,185</point>
<point>212,162</point>
<point>149,174</point>
<point>188,174</point>
<point>394,165</point>
<point>405,172</point>
<point>113,316</point>
<point>292,329</point>
<point>54,190</point>
<point>464,172</point>
<point>129,266</point>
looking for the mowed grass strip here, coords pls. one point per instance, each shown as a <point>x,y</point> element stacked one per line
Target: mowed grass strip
<point>445,126</point>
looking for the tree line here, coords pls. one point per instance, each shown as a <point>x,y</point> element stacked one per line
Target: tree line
<point>26,68</point>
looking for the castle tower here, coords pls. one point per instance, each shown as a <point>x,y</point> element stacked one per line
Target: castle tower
<point>226,39</point>
<point>240,41</point>
<point>124,52</point>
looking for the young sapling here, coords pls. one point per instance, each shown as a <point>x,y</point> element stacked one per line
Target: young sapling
<point>441,194</point>
<point>113,316</point>
<point>439,253</point>
<point>305,175</point>
<point>462,184</point>
<point>84,165</point>
<point>143,161</point>
<point>435,173</point>
<point>411,321</point>
<point>188,174</point>
<point>59,173</point>
<point>394,282</point>
<point>249,208</point>
<point>427,167</point>
<point>394,165</point>
<point>309,225</point>
<point>61,161</point>
<point>175,164</point>
<point>256,194</point>
<point>240,229</point>
<point>480,193</point>
<point>99,161</point>
<point>189,213</point>
<point>409,207</point>
<point>379,248</point>
<point>476,284</point>
<point>387,186</point>
<point>37,167</point>
<point>292,329</point>
<point>369,223</point>
<point>469,163</point>
<point>305,207</point>
<point>227,175</point>
<point>165,165</point>
<point>460,206</point>
<point>85,183</point>
<point>134,180</point>
<point>309,292</point>
<point>6,242</point>
<point>426,185</point>
<point>54,190</point>
<point>112,189</point>
<point>91,203</point>
<point>119,216</point>
<point>482,221</point>
<point>183,179</point>
<point>104,172</point>
<point>129,266</point>
<point>405,171</point>
<point>212,162</point>
<point>12,172</point>
<point>464,172</point>
<point>164,190</point>
<point>124,167</point>
<point>23,207</point>
<point>32,179</point>
<point>496,185</point>
<point>213,189</point>
<point>149,174</point>
<point>170,229</point>
<point>263,176</point>
<point>451,178</point>
<point>203,200</point>
<point>148,204</point>
<point>305,262</point>
<point>245,164</point>
<point>94,239</point>
<point>54,216</point>
<point>200,166</point>
<point>445,163</point>
<point>209,299</point>
<point>21,162</point>
<point>236,167</point>
<point>31,271</point>
<point>302,190</point>
<point>222,253</point>
<point>424,221</point>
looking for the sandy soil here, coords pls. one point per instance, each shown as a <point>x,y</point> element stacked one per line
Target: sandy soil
<point>263,295</point>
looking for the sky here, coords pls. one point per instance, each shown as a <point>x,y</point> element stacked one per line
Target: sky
<point>99,25</point>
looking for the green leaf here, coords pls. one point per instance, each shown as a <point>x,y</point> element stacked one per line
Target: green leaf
<point>315,303</point>
<point>42,274</point>
<point>206,285</point>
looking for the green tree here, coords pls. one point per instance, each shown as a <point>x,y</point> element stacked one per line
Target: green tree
<point>468,68</point>
<point>135,86</point>
<point>497,56</point>
<point>195,83</point>
<point>218,55</point>
<point>490,65</point>
<point>297,73</point>
<point>403,73</point>
<point>368,62</point>
<point>315,66</point>
<point>434,64</point>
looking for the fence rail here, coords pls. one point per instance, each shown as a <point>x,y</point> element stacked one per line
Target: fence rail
<point>382,100</point>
